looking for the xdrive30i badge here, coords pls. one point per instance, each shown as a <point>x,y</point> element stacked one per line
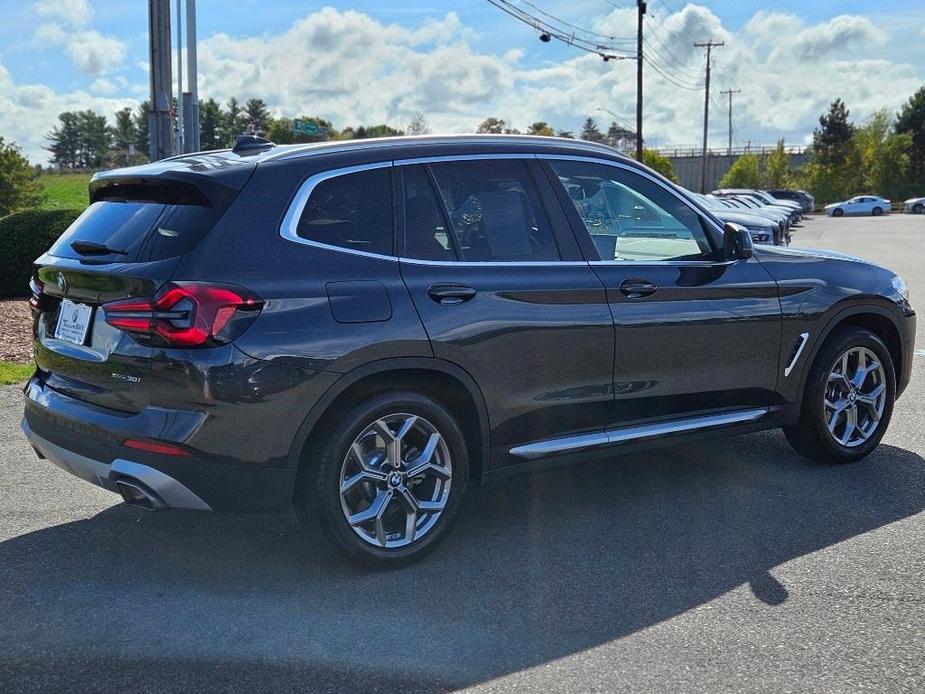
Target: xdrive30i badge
<point>125,377</point>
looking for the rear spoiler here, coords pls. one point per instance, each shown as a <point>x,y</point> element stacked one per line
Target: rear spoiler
<point>208,181</point>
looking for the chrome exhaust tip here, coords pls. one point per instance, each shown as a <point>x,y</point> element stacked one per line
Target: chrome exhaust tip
<point>135,494</point>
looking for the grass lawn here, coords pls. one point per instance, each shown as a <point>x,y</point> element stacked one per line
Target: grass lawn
<point>65,190</point>
<point>11,372</point>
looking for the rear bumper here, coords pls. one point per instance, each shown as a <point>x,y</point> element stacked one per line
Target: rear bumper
<point>87,441</point>
<point>159,490</point>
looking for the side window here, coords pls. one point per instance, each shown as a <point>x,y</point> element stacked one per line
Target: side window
<point>495,211</point>
<point>351,211</point>
<point>426,234</point>
<point>630,217</point>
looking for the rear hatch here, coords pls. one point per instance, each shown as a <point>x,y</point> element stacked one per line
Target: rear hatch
<point>125,246</point>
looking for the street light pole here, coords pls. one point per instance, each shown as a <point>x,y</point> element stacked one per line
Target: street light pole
<point>709,45</point>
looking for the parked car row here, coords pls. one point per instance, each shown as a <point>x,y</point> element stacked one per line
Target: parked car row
<point>805,199</point>
<point>767,219</point>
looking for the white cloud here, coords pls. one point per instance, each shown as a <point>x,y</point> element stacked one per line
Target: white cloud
<point>76,12</point>
<point>93,53</point>
<point>103,86</point>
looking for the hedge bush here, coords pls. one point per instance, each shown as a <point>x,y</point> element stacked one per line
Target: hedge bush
<point>24,236</point>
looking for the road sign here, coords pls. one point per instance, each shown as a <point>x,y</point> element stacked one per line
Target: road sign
<point>307,127</point>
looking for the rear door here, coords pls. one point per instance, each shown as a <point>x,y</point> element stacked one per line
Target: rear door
<point>498,280</point>
<point>117,249</point>
<point>694,333</point>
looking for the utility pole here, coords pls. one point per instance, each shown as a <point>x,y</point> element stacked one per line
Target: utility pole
<point>159,125</point>
<point>709,45</point>
<point>730,92</point>
<point>180,147</point>
<point>191,98</point>
<point>640,11</point>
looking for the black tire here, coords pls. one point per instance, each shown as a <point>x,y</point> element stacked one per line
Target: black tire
<point>838,212</point>
<point>318,500</point>
<point>876,212</point>
<point>810,436</point>
<point>917,209</point>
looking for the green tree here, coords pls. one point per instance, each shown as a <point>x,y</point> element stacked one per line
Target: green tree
<point>590,131</point>
<point>661,164</point>
<point>256,117</point>
<point>64,141</point>
<point>492,125</point>
<point>540,128</point>
<point>210,124</point>
<point>233,123</point>
<point>777,168</point>
<point>124,132</point>
<point>745,172</point>
<point>566,133</point>
<point>19,184</point>
<point>142,132</point>
<point>96,139</point>
<point>884,158</point>
<point>833,171</point>
<point>911,121</point>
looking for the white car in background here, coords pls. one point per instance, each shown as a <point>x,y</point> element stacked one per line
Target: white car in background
<point>914,205</point>
<point>859,204</point>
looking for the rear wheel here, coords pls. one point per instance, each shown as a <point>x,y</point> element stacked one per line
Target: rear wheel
<point>838,212</point>
<point>848,398</point>
<point>385,484</point>
<point>876,212</point>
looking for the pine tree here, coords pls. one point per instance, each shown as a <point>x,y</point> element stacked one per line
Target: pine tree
<point>64,141</point>
<point>210,124</point>
<point>911,120</point>
<point>256,117</point>
<point>590,131</point>
<point>142,133</point>
<point>232,123</point>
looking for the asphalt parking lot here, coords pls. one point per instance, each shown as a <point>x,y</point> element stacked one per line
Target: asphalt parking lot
<point>728,566</point>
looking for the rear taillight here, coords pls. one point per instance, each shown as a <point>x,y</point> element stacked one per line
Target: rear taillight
<point>186,314</point>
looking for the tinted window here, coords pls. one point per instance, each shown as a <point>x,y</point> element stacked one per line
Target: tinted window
<point>136,230</point>
<point>352,211</point>
<point>426,234</point>
<point>630,217</point>
<point>495,211</point>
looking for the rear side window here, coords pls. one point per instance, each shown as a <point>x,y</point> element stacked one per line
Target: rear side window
<point>352,211</point>
<point>495,211</point>
<point>128,231</point>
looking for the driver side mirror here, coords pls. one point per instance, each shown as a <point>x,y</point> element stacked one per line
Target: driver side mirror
<point>737,242</point>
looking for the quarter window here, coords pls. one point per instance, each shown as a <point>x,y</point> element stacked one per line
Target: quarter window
<point>494,211</point>
<point>630,217</point>
<point>427,235</point>
<point>351,211</point>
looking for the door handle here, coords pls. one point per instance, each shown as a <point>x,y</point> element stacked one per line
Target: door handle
<point>636,289</point>
<point>450,293</point>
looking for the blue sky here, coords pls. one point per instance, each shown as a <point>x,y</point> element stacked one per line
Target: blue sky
<point>459,62</point>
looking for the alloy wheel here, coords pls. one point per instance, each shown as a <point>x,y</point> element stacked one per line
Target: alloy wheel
<point>855,397</point>
<point>395,480</point>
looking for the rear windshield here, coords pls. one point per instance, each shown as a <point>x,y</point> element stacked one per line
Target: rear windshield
<point>134,231</point>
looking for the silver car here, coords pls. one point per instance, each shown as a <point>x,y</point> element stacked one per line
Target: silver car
<point>859,205</point>
<point>914,205</point>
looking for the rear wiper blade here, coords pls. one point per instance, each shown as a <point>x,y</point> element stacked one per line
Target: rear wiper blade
<point>93,248</point>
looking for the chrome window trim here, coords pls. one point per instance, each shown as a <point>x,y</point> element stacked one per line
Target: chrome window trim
<point>569,444</point>
<point>437,159</point>
<point>290,224</point>
<point>496,263</point>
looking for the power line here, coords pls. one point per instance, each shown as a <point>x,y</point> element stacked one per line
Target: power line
<point>581,29</point>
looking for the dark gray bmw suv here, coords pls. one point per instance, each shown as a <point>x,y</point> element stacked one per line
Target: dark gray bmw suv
<point>362,329</point>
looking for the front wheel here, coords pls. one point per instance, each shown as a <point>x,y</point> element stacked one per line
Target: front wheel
<point>847,400</point>
<point>838,212</point>
<point>384,484</point>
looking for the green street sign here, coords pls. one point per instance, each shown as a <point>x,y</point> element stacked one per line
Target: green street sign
<point>307,127</point>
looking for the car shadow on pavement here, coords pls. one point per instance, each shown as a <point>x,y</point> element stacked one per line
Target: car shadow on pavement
<point>537,568</point>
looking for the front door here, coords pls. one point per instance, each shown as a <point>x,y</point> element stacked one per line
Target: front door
<point>693,333</point>
<point>498,280</point>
